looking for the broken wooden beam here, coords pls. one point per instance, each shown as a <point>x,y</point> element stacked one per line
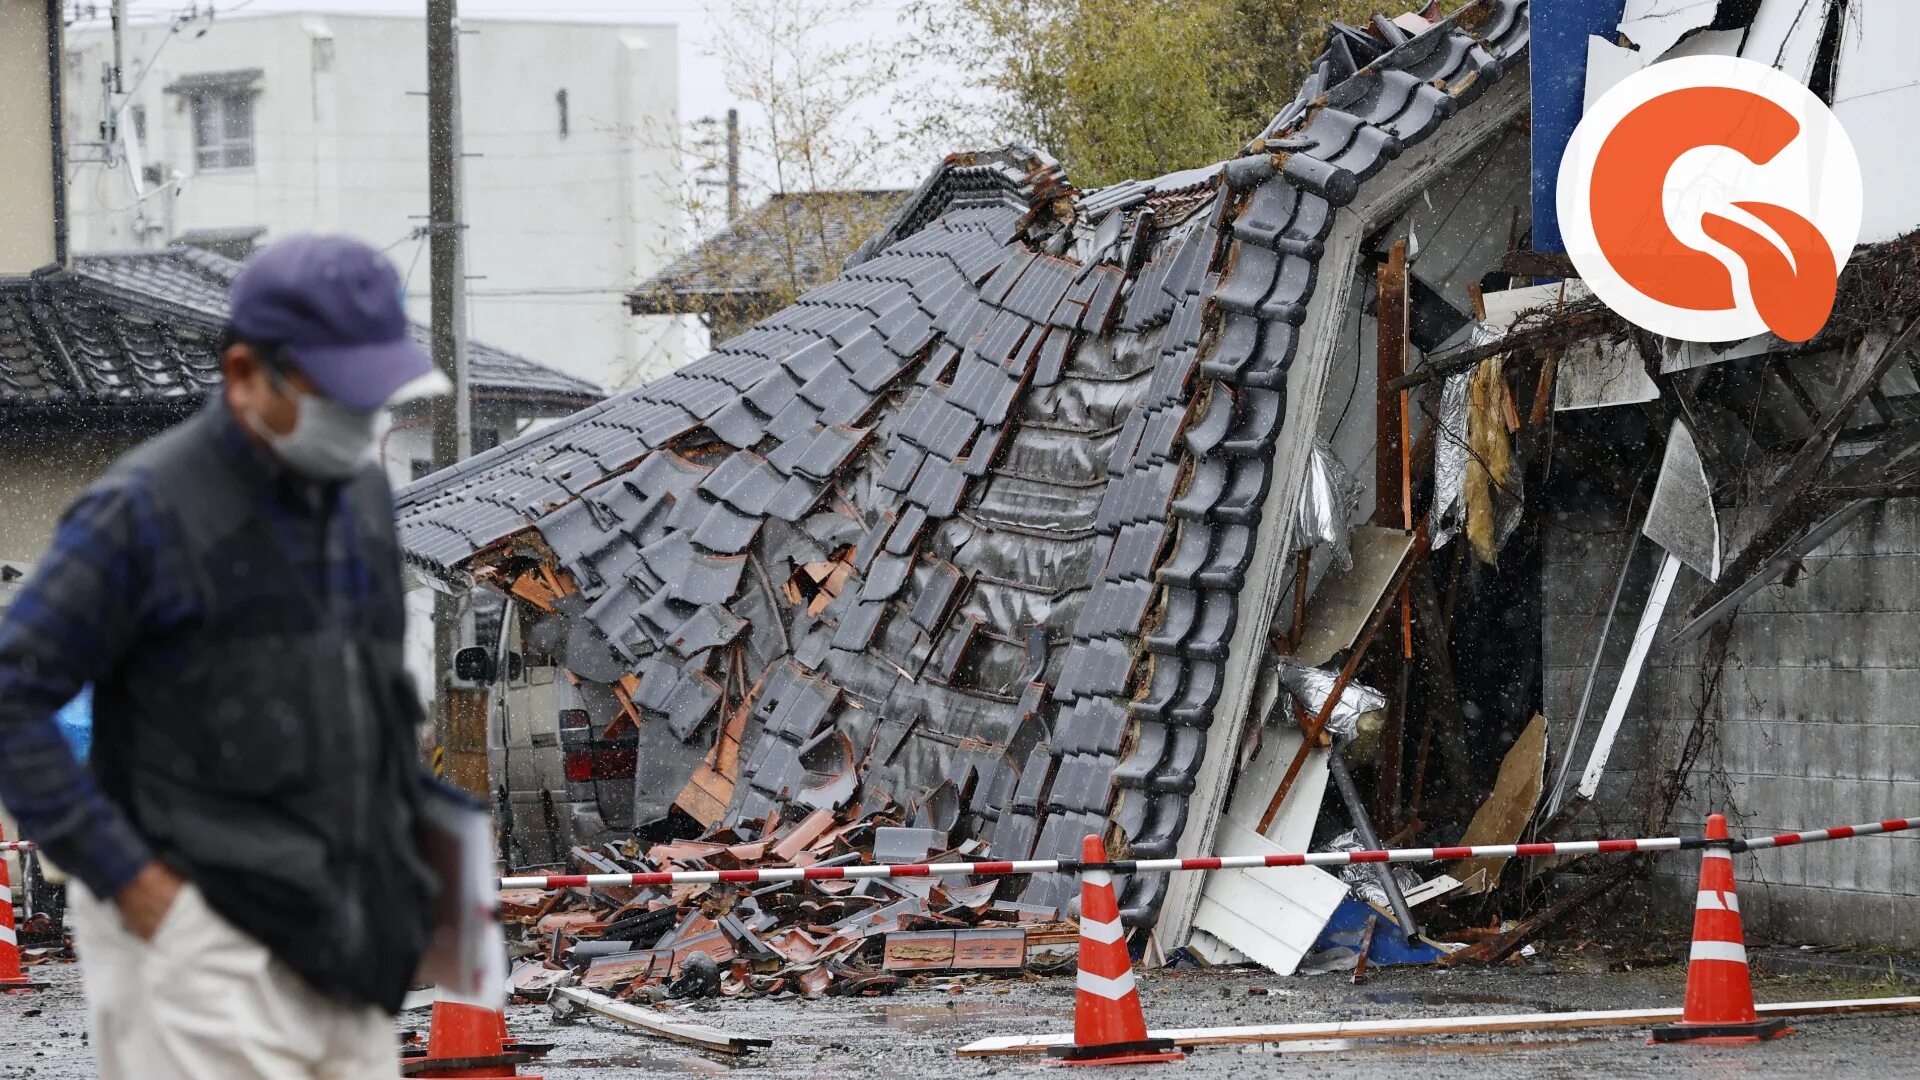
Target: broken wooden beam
<point>1393,509</point>
<point>1388,601</point>
<point>1576,320</point>
<point>1392,499</point>
<point>648,1022</point>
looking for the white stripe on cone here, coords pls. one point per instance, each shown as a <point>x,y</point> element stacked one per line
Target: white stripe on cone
<point>1732,952</point>
<point>1711,900</point>
<point>1112,989</point>
<point>1719,853</point>
<point>1106,933</point>
<point>7,936</point>
<point>1097,877</point>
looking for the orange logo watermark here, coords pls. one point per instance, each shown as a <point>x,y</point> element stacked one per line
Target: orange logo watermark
<point>1711,198</point>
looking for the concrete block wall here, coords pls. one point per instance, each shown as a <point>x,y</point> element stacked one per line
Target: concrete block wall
<point>1816,720</point>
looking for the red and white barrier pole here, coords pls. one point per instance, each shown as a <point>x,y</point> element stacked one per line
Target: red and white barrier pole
<point>18,845</point>
<point>1222,862</point>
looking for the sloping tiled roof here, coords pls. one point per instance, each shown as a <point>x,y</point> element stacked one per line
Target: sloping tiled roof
<point>66,342</point>
<point>197,279</point>
<point>190,277</point>
<point>138,329</point>
<point>784,241</point>
<point>1044,463</point>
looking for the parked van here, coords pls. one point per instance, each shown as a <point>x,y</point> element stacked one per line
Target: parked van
<point>561,753</point>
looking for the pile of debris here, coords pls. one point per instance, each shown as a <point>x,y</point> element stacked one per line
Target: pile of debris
<point>809,938</point>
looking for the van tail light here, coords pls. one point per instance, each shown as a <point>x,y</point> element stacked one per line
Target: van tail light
<point>602,763</point>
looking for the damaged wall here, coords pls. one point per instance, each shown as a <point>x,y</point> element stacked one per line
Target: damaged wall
<point>1811,723</point>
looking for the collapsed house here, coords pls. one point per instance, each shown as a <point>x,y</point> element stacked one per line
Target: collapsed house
<point>1221,513</point>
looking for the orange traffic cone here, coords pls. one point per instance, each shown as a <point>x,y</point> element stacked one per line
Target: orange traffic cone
<point>1719,1007</point>
<point>13,980</point>
<point>469,1042</point>
<point>1108,1026</point>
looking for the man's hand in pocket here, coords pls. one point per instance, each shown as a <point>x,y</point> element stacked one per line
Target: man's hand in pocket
<point>145,900</point>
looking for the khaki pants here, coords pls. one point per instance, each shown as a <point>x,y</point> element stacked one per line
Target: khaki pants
<point>203,1001</point>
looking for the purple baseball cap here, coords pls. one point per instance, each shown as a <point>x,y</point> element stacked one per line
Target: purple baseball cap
<point>334,307</point>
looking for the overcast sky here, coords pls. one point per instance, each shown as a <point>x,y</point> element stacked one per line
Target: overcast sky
<point>703,89</point>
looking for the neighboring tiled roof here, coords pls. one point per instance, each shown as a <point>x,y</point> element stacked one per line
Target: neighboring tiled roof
<point>139,329</point>
<point>1048,463</point>
<point>65,342</point>
<point>187,276</point>
<point>777,245</point>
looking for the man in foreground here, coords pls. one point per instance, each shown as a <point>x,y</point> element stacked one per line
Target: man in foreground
<point>248,898</point>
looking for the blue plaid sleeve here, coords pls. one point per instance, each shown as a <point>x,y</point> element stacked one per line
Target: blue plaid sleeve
<point>71,624</point>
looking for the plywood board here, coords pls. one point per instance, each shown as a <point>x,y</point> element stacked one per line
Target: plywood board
<point>1340,606</point>
<point>1504,816</point>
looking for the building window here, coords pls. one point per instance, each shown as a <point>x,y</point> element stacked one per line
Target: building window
<point>223,130</point>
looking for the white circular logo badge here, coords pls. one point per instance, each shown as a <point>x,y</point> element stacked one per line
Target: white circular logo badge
<point>1710,198</point>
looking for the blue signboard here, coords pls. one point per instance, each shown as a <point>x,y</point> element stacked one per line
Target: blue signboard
<point>1560,29</point>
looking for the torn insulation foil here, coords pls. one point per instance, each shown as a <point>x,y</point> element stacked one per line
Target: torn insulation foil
<point>1312,686</point>
<point>1450,457</point>
<point>1363,880</point>
<point>1450,452</point>
<point>1328,501</point>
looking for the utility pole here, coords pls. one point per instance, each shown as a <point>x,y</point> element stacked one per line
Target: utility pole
<point>452,414</point>
<point>733,165</point>
<point>732,182</point>
<point>119,29</point>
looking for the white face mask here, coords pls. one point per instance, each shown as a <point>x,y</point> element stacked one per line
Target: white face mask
<point>328,441</point>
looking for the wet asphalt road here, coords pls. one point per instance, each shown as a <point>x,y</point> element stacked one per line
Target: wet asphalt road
<point>913,1033</point>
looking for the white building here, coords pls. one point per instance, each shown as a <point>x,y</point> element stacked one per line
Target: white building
<point>243,129</point>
